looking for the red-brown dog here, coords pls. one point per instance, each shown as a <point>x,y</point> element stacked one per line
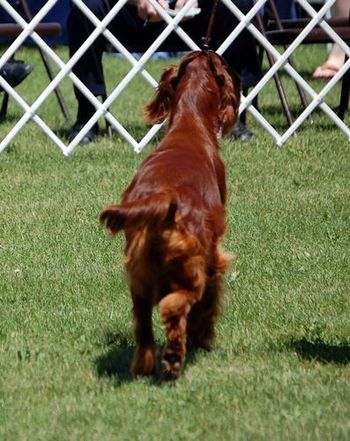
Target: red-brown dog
<point>173,212</point>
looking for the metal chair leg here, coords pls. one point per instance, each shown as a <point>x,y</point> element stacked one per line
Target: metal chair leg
<point>344,95</point>
<point>28,16</point>
<point>4,106</point>
<point>276,77</point>
<point>108,125</point>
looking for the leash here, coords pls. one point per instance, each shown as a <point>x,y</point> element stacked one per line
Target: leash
<point>207,38</point>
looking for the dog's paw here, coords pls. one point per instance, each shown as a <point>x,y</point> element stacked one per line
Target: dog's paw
<point>171,366</point>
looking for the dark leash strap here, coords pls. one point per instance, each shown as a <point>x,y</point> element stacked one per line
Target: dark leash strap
<point>207,38</point>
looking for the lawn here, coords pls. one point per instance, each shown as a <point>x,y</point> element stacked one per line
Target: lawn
<point>280,366</point>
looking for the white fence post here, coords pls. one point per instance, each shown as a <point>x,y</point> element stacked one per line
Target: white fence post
<point>138,67</point>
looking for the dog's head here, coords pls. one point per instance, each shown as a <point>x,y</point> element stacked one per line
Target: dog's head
<point>198,73</point>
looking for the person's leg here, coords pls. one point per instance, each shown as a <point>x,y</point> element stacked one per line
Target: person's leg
<point>286,9</point>
<point>126,26</point>
<point>241,55</point>
<point>336,56</point>
<point>89,67</point>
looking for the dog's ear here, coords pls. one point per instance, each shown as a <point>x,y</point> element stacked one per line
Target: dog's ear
<point>157,110</point>
<point>230,100</point>
<point>229,85</point>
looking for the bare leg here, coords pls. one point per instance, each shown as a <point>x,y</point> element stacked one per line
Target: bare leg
<point>144,356</point>
<point>336,56</point>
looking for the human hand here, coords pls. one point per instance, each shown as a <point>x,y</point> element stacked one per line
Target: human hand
<point>181,3</point>
<point>146,10</point>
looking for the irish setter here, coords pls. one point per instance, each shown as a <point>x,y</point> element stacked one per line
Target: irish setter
<point>173,212</point>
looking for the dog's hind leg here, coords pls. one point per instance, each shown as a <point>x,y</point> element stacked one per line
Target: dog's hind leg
<point>202,318</point>
<point>143,363</point>
<point>174,309</point>
<point>203,315</point>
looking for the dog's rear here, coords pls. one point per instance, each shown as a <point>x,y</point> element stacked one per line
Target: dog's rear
<point>173,212</point>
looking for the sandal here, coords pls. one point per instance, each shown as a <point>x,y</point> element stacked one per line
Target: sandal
<point>325,72</point>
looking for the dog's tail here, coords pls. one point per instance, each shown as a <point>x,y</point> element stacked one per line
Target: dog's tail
<point>149,211</point>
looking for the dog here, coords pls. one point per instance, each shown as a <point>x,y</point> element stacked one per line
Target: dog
<point>173,213</point>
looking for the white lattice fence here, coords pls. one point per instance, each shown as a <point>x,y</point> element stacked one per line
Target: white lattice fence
<point>138,67</point>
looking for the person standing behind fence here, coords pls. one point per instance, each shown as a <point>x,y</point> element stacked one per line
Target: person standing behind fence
<point>286,9</point>
<point>137,25</point>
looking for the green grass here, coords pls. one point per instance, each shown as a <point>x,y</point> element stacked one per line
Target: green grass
<point>280,367</point>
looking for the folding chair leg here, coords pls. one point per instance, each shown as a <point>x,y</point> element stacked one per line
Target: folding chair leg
<point>344,95</point>
<point>108,126</point>
<point>57,90</point>
<point>4,106</point>
<point>281,92</point>
<point>28,16</point>
<point>301,92</point>
<point>276,76</point>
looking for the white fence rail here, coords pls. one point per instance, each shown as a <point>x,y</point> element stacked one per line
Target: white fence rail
<point>30,111</point>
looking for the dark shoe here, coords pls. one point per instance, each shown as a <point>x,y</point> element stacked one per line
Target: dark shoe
<point>15,71</point>
<point>241,132</point>
<point>88,137</point>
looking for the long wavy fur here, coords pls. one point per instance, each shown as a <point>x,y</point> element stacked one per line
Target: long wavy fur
<point>173,213</point>
<point>152,210</point>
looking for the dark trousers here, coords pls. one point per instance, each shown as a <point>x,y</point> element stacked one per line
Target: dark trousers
<point>130,30</point>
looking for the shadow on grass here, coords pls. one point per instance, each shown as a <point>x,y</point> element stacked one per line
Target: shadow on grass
<point>322,352</point>
<point>116,362</point>
<point>275,112</point>
<point>138,131</point>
